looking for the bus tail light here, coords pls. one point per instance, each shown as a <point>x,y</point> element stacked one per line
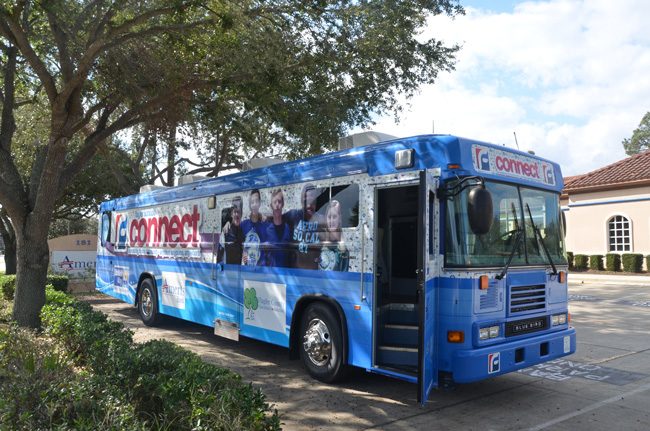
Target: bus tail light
<point>562,277</point>
<point>455,336</point>
<point>484,282</point>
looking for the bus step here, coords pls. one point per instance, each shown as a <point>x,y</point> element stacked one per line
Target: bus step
<point>404,313</point>
<point>400,334</point>
<point>398,355</point>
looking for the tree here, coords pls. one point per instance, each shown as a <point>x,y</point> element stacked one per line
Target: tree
<point>313,68</point>
<point>640,140</point>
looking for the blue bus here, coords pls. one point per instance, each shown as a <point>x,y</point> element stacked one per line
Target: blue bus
<point>434,259</point>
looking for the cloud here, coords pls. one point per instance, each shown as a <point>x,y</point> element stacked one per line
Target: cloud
<point>572,78</point>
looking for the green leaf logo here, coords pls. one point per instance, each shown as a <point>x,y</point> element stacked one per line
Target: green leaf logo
<point>250,301</point>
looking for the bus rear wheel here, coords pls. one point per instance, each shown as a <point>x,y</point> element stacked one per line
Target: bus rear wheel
<point>321,343</point>
<point>148,303</point>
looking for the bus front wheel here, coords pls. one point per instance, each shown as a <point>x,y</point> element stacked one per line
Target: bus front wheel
<point>321,343</point>
<point>148,302</point>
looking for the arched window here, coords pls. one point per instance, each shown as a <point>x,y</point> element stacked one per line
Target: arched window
<point>619,234</point>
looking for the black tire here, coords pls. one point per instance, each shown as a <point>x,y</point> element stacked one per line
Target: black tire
<point>320,326</point>
<point>148,303</point>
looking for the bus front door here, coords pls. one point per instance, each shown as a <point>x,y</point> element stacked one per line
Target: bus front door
<point>426,292</point>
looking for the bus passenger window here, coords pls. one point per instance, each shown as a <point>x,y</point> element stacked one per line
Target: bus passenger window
<point>348,197</point>
<point>233,237</point>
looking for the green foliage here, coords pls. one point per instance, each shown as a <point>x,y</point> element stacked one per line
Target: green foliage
<point>613,262</point>
<point>647,263</point>
<point>596,262</point>
<point>42,388</point>
<point>640,140</point>
<point>581,261</point>
<point>58,282</point>
<point>250,298</point>
<point>8,286</point>
<point>569,258</point>
<point>122,385</point>
<point>632,262</point>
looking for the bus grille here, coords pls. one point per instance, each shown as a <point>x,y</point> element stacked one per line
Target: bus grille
<point>527,299</point>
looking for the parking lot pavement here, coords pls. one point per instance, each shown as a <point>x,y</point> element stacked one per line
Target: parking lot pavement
<point>604,386</point>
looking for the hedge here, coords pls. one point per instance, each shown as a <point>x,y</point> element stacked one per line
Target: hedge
<point>581,261</point>
<point>632,262</point>
<point>87,373</point>
<point>596,262</point>
<point>613,262</point>
<point>569,258</point>
<point>8,284</point>
<point>647,263</point>
<point>58,282</point>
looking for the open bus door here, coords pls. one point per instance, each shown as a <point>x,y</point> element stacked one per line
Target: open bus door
<point>427,295</point>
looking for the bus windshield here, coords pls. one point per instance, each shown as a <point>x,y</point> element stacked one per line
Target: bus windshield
<point>516,212</point>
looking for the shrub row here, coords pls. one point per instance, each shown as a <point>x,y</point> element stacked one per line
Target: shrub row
<point>87,373</point>
<point>630,262</point>
<point>8,284</point>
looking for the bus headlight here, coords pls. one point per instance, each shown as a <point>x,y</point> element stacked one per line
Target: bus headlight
<point>488,332</point>
<point>558,319</point>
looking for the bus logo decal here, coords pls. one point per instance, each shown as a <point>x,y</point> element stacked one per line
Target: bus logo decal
<point>495,161</point>
<point>494,362</point>
<point>482,158</point>
<point>173,289</point>
<point>265,305</point>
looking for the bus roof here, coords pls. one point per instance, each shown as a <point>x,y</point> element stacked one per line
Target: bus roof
<point>456,156</point>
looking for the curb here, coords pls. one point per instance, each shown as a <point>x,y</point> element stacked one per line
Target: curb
<point>640,280</point>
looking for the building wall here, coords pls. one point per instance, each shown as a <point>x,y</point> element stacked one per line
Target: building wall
<point>587,215</point>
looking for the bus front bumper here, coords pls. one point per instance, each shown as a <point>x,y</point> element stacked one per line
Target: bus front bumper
<point>478,364</point>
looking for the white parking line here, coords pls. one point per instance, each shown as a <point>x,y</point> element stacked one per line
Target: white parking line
<point>590,408</point>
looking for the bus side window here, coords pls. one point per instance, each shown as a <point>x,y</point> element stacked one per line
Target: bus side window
<point>106,227</point>
<point>233,237</point>
<point>348,197</point>
<point>225,216</point>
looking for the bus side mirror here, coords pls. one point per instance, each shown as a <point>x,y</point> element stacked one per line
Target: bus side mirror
<point>479,210</point>
<point>563,217</point>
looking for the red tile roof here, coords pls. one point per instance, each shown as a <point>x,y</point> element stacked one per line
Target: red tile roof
<point>633,171</point>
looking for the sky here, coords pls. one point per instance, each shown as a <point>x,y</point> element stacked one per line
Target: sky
<point>571,78</point>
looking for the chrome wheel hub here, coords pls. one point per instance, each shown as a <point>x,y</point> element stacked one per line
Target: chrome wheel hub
<point>146,302</point>
<point>317,342</point>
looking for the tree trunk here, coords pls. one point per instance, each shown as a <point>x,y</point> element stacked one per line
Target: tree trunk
<point>32,262</point>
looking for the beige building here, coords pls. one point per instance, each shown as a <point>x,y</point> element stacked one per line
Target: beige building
<point>608,210</point>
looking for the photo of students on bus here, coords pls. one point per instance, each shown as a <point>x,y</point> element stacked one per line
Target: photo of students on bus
<point>277,234</point>
<point>232,233</point>
<point>334,255</point>
<point>308,237</point>
<point>304,224</point>
<point>254,229</point>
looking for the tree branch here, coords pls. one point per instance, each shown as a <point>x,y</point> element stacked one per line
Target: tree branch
<point>61,40</point>
<point>8,123</point>
<point>22,42</point>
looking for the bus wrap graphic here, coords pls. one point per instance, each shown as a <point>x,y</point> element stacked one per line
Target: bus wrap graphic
<point>492,160</point>
<point>250,302</point>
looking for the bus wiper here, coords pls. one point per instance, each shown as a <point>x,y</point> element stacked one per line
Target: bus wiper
<point>538,235</point>
<point>516,245</point>
<point>520,235</point>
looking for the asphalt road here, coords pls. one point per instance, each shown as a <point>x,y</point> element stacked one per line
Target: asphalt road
<point>604,386</point>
